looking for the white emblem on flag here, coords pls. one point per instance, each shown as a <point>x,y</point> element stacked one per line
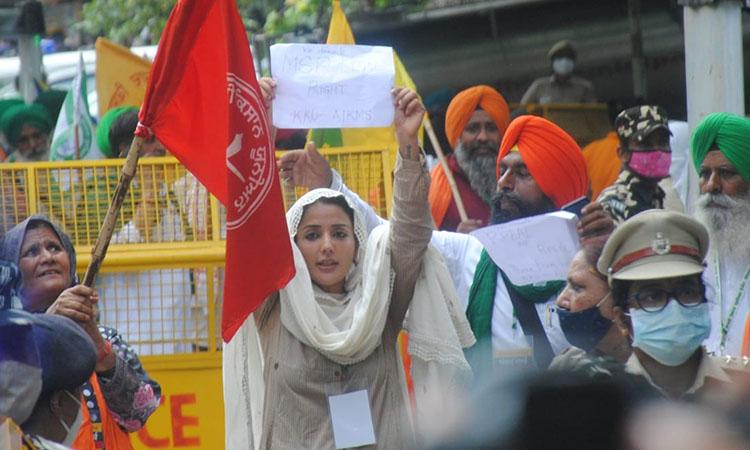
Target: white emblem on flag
<point>249,156</point>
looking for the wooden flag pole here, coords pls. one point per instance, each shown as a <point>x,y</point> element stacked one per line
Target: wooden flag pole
<point>446,169</point>
<point>76,141</point>
<point>110,220</point>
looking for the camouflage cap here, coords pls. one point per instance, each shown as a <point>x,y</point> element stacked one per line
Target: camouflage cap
<point>639,121</point>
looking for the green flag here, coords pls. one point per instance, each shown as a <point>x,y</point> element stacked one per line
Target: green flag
<point>74,132</point>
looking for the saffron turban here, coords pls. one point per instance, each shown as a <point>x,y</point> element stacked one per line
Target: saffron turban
<point>728,132</point>
<point>553,158</point>
<point>466,102</point>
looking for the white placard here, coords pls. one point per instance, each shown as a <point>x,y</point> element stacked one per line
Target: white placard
<point>351,419</point>
<point>332,86</point>
<point>535,249</point>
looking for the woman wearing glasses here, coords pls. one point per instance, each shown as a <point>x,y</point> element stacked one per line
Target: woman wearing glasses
<point>654,264</point>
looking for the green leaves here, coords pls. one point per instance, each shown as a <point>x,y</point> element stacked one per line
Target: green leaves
<point>125,20</point>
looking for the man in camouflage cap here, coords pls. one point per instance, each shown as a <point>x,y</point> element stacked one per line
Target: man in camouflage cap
<point>646,156</point>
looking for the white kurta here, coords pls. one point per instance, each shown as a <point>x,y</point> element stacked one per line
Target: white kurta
<point>461,253</point>
<point>156,311</point>
<point>721,297</point>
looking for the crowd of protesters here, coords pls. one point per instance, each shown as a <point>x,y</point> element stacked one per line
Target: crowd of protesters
<point>643,346</point>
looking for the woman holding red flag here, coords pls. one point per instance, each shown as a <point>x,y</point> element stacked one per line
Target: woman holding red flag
<point>119,396</point>
<point>329,374</point>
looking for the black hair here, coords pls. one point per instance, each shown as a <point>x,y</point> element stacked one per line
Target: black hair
<point>121,131</point>
<point>339,201</point>
<point>592,252</point>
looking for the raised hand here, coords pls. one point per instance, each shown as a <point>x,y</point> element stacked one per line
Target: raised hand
<point>75,303</point>
<point>268,89</point>
<point>407,120</point>
<point>595,224</point>
<point>305,168</point>
<point>79,303</point>
<point>469,225</point>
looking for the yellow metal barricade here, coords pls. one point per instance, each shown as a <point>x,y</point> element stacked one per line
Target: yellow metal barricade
<point>162,280</point>
<point>365,171</point>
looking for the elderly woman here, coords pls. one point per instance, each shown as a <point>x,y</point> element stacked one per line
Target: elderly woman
<point>585,311</point>
<point>329,337</point>
<point>119,396</point>
<point>654,262</point>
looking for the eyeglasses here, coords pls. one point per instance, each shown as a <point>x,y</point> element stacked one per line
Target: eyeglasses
<point>655,299</point>
<point>476,127</point>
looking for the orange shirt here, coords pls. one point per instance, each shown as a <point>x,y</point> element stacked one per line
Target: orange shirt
<point>602,163</point>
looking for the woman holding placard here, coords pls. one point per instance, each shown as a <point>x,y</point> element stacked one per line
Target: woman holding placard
<point>318,367</point>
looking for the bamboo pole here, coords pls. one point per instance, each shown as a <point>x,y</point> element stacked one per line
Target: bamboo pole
<point>448,174</point>
<point>76,141</point>
<point>110,220</point>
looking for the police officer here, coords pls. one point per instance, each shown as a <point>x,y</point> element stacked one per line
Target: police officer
<point>646,155</point>
<point>654,264</point>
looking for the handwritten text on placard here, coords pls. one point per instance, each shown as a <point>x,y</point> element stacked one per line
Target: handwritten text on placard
<point>532,250</point>
<point>332,86</point>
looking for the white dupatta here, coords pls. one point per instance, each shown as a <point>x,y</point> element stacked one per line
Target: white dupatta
<point>348,330</point>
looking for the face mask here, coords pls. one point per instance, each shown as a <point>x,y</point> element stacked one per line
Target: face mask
<point>72,429</point>
<point>652,164</point>
<point>563,66</point>
<point>671,335</point>
<point>584,329</point>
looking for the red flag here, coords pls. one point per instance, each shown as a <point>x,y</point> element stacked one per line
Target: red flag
<point>204,104</point>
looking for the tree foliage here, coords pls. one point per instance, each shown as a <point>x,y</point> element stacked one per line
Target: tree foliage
<point>132,22</point>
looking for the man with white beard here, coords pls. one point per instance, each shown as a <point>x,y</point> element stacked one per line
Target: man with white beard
<point>721,153</point>
<point>475,122</point>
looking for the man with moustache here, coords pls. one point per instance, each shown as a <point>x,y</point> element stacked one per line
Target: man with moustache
<point>540,169</point>
<point>721,154</point>
<point>474,124</point>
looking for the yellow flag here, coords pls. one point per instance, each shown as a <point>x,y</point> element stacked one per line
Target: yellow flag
<point>339,32</point>
<point>121,76</point>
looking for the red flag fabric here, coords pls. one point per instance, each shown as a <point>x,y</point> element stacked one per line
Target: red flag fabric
<point>204,104</point>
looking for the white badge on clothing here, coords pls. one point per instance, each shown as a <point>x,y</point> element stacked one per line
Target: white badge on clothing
<point>352,419</point>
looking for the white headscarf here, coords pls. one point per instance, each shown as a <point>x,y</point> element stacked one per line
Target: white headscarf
<point>344,328</point>
<point>347,328</point>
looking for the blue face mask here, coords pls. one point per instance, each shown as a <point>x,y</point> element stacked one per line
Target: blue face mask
<point>584,329</point>
<point>672,335</point>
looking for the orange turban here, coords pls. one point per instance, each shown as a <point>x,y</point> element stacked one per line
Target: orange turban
<point>466,102</point>
<point>552,156</point>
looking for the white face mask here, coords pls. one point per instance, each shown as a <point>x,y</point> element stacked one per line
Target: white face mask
<point>72,429</point>
<point>563,66</point>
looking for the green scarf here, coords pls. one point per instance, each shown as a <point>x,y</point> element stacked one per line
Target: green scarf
<point>481,301</point>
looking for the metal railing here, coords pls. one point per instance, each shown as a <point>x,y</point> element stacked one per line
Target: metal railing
<point>162,280</point>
